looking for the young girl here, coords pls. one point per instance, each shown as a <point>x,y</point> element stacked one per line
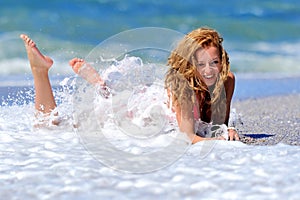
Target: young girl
<point>202,60</point>
<point>45,103</point>
<point>182,101</point>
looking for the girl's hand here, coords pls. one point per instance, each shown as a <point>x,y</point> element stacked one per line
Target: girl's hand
<point>233,135</point>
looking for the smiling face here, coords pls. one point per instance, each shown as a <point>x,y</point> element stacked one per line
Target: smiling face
<point>208,64</point>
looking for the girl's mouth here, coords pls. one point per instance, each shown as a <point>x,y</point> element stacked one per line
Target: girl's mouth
<point>208,76</point>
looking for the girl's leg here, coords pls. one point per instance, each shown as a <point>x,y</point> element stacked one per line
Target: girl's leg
<point>40,65</point>
<point>90,74</point>
<point>86,71</point>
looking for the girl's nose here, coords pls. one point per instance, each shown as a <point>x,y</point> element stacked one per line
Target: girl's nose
<point>207,68</point>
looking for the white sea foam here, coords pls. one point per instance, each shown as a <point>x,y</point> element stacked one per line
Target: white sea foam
<point>43,164</point>
<point>262,57</point>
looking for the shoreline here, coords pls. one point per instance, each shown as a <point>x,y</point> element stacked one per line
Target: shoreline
<point>269,120</point>
<point>269,107</point>
<point>257,86</point>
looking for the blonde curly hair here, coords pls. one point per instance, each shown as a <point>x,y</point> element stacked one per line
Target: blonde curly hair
<point>182,94</point>
<point>182,59</point>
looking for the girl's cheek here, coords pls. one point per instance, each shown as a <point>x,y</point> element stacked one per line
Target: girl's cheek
<point>219,69</point>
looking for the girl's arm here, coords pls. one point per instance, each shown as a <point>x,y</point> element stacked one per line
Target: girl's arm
<point>229,87</point>
<point>185,120</point>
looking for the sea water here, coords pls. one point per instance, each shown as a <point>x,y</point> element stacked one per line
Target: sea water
<point>54,164</point>
<point>259,36</point>
<point>95,154</point>
<point>262,39</point>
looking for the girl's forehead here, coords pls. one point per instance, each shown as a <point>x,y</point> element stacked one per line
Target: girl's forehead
<point>210,52</point>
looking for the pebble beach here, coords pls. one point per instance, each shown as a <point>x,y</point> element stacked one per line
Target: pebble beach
<point>270,120</point>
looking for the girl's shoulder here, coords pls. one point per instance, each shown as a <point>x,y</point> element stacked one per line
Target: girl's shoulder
<point>230,84</point>
<point>230,76</point>
<point>230,81</point>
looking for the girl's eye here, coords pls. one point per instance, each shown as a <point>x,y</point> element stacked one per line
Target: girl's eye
<point>200,64</point>
<point>215,62</point>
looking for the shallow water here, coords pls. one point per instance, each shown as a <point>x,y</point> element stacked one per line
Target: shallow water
<point>54,164</point>
<point>75,163</point>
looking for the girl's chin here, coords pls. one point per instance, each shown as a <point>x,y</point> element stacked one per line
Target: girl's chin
<point>209,82</point>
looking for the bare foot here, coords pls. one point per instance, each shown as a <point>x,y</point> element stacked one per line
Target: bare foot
<point>36,59</point>
<point>76,64</point>
<point>87,72</point>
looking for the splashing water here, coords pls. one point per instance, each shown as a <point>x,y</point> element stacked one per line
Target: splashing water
<point>53,163</point>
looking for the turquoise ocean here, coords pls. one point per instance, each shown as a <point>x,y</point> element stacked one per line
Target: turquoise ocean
<point>261,37</point>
